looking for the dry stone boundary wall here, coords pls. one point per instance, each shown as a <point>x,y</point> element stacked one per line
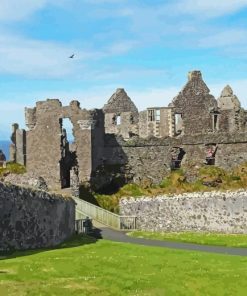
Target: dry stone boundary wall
<point>224,212</point>
<point>33,219</point>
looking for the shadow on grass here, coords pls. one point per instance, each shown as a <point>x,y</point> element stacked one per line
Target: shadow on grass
<point>76,240</point>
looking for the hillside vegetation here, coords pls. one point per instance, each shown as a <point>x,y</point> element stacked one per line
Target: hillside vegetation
<point>12,168</point>
<point>208,178</point>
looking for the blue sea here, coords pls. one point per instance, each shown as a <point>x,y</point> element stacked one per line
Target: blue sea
<point>4,146</point>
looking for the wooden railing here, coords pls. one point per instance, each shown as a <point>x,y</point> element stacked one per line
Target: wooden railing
<point>84,208</point>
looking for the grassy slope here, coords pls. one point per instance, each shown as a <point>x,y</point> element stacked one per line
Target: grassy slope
<point>14,168</point>
<point>214,239</point>
<point>105,268</point>
<point>176,183</point>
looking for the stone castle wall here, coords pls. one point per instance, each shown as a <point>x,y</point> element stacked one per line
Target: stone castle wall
<point>192,124</point>
<point>210,211</point>
<point>46,150</point>
<point>194,104</point>
<point>18,145</point>
<point>33,219</point>
<point>149,160</point>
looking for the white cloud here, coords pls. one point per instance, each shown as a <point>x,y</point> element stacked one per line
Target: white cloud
<point>209,8</point>
<point>177,23</point>
<point>15,10</point>
<point>121,47</point>
<point>120,75</point>
<point>46,59</point>
<point>11,112</point>
<point>103,1</point>
<point>224,38</point>
<point>19,55</point>
<point>158,97</point>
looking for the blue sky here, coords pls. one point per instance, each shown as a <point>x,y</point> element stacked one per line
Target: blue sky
<point>145,46</point>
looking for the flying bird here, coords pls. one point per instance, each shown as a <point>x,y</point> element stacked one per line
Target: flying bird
<point>72,56</point>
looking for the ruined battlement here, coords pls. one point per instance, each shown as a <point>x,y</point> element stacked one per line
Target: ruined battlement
<point>194,75</point>
<point>228,101</point>
<point>120,143</point>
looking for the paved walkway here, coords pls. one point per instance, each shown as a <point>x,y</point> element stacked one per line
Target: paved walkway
<point>102,232</point>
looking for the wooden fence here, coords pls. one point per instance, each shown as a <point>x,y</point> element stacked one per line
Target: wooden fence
<point>84,208</point>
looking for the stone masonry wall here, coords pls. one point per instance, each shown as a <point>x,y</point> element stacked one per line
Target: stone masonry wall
<point>194,103</point>
<point>33,219</point>
<point>231,155</point>
<point>44,139</point>
<point>150,159</point>
<point>179,134</point>
<point>121,115</point>
<point>210,211</point>
<point>18,145</point>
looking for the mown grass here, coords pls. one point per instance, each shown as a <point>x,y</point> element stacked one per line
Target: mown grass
<point>176,183</point>
<point>202,238</point>
<point>104,268</point>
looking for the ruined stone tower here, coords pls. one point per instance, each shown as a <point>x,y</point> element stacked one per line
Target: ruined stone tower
<point>48,153</point>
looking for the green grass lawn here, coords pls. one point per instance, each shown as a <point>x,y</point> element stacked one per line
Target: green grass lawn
<point>89,267</point>
<point>214,239</point>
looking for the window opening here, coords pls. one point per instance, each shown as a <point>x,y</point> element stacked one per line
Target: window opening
<point>118,120</point>
<point>68,127</point>
<point>215,120</point>
<point>177,155</point>
<point>151,116</point>
<point>68,155</point>
<point>157,115</point>
<point>131,119</point>
<point>178,123</point>
<point>210,154</point>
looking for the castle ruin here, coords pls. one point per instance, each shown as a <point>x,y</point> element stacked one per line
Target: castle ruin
<point>118,144</point>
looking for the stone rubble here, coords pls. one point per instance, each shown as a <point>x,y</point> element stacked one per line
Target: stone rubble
<point>27,180</point>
